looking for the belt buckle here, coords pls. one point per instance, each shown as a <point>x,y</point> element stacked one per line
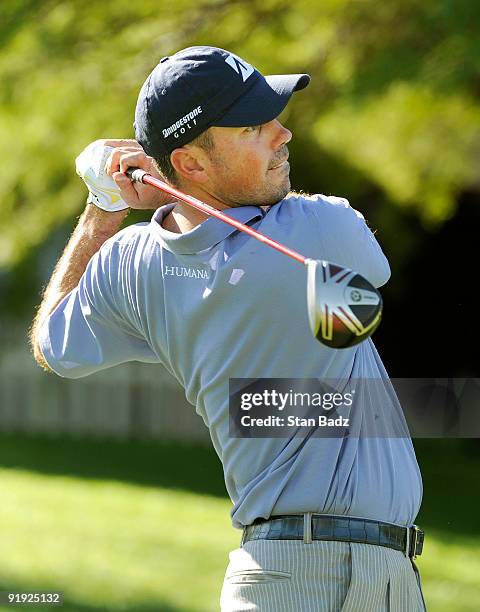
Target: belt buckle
<point>413,544</point>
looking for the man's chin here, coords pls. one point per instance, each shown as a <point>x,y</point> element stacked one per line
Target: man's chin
<point>263,199</point>
<point>276,197</point>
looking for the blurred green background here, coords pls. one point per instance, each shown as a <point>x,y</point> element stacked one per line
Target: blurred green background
<point>391,120</point>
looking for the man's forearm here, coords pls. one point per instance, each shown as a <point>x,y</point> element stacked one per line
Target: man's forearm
<point>94,227</point>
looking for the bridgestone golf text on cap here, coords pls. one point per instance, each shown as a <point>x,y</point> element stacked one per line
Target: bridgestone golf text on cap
<point>185,119</point>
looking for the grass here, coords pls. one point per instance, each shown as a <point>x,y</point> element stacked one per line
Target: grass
<point>111,545</point>
<point>143,526</point>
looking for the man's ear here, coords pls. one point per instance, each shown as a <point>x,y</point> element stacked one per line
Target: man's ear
<point>188,164</point>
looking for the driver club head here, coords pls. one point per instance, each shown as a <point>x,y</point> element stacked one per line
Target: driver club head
<point>343,307</point>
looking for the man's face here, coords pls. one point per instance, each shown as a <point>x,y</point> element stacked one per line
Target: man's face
<point>248,165</point>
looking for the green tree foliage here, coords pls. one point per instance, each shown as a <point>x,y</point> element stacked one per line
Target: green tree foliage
<point>393,99</point>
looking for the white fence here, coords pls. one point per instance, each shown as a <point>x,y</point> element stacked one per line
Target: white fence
<point>131,400</point>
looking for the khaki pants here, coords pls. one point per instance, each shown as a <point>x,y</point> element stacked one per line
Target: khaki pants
<point>291,576</point>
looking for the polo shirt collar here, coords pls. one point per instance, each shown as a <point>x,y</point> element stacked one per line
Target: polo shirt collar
<point>203,236</point>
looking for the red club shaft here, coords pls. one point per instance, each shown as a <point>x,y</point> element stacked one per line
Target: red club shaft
<point>209,210</point>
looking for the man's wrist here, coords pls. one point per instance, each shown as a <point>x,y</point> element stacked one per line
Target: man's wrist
<point>99,222</point>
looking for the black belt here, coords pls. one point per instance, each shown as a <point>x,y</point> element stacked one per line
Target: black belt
<point>309,526</point>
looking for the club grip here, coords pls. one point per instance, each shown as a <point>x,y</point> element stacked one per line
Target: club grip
<point>136,174</point>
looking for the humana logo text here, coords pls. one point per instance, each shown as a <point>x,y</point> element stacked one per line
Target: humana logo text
<point>187,272</point>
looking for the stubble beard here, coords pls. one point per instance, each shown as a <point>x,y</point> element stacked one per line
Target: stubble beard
<point>269,195</point>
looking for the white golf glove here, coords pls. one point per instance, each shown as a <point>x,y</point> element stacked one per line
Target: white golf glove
<point>90,165</point>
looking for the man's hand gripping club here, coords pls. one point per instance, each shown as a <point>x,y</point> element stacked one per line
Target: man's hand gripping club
<point>102,166</point>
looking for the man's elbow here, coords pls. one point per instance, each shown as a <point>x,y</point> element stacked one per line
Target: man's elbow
<point>35,346</point>
<point>380,275</point>
<point>384,273</point>
<point>39,358</point>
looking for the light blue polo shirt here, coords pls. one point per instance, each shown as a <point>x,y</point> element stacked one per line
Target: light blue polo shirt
<point>214,304</point>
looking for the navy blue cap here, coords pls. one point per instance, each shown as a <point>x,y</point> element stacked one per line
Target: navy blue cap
<point>199,87</point>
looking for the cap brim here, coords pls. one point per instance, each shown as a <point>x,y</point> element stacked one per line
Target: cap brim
<point>264,101</point>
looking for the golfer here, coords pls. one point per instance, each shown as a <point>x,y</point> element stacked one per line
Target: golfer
<point>327,523</point>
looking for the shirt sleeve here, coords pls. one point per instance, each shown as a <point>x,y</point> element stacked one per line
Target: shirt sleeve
<point>348,241</point>
<point>95,326</point>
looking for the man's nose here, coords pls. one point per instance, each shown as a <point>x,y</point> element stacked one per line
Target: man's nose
<point>282,135</point>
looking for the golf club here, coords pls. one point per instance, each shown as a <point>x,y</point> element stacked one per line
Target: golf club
<point>343,307</point>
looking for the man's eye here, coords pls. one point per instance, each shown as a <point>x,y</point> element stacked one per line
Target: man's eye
<point>253,128</point>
